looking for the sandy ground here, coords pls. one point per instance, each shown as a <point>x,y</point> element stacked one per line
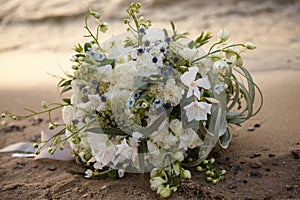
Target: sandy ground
<point>263,163</point>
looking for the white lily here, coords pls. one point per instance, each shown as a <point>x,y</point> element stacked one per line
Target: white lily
<point>188,79</point>
<point>124,149</point>
<point>197,111</point>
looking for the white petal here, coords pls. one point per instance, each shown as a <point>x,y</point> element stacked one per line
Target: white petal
<point>191,112</point>
<point>203,82</point>
<point>197,92</point>
<point>190,92</point>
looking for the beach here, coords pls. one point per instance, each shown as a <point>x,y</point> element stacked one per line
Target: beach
<point>262,161</point>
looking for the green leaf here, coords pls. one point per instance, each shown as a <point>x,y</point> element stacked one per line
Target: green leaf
<point>65,83</point>
<point>68,101</point>
<point>65,90</point>
<point>225,139</point>
<point>107,131</point>
<point>87,46</point>
<point>107,62</point>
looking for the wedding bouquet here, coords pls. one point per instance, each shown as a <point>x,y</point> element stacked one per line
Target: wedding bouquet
<point>151,100</point>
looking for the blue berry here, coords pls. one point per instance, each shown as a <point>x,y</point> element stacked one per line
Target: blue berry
<point>154,59</point>
<point>162,49</point>
<point>140,50</point>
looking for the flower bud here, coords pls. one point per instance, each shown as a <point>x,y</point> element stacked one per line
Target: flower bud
<point>155,172</point>
<point>238,61</point>
<point>178,156</point>
<point>156,182</point>
<point>164,191</point>
<point>250,46</point>
<point>121,173</point>
<point>223,172</point>
<point>103,27</point>
<point>44,104</point>
<point>88,173</point>
<point>51,126</point>
<point>223,35</point>
<point>3,115</point>
<point>95,14</point>
<point>212,160</point>
<point>186,174</point>
<point>49,149</point>
<point>35,145</point>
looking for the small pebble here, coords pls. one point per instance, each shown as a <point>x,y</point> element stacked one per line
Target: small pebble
<point>237,168</point>
<point>255,155</point>
<point>295,154</point>
<point>232,185</point>
<point>271,155</point>
<point>289,187</point>
<point>255,165</point>
<point>52,168</point>
<point>256,174</point>
<point>250,129</point>
<point>256,125</point>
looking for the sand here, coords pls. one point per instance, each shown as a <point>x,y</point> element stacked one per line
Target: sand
<point>261,163</point>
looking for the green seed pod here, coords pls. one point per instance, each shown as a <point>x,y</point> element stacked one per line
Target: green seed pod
<point>223,172</point>
<point>215,181</point>
<point>199,169</point>
<point>205,162</point>
<point>209,179</point>
<point>212,160</point>
<point>207,172</point>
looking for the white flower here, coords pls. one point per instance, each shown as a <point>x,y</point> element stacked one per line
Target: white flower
<point>124,149</point>
<point>188,79</point>
<point>105,73</point>
<point>176,127</point>
<point>88,173</point>
<point>220,64</point>
<point>157,181</point>
<point>189,139</point>
<point>67,114</point>
<point>197,111</point>
<point>105,155</point>
<point>218,88</point>
<point>188,53</point>
<point>95,101</point>
<point>121,173</point>
<point>223,35</point>
<point>134,140</point>
<point>178,156</point>
<point>171,92</point>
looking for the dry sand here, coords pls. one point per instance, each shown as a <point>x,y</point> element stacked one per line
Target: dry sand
<point>263,163</point>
